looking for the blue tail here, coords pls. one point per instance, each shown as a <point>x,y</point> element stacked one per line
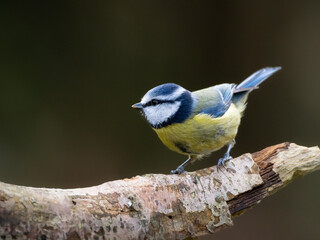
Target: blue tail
<point>256,78</point>
<point>252,82</point>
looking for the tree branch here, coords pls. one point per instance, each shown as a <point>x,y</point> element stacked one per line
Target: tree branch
<point>154,206</point>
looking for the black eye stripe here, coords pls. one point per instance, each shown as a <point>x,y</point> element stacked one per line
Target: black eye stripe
<point>155,102</point>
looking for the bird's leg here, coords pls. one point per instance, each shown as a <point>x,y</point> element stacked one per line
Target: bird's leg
<point>226,156</point>
<point>180,169</point>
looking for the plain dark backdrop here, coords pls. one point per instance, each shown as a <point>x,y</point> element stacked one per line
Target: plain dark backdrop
<point>70,71</point>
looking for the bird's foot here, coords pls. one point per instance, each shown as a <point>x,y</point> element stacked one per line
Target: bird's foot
<point>179,170</point>
<point>223,160</point>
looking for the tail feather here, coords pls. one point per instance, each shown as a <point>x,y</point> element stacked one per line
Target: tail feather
<point>242,90</point>
<point>256,78</point>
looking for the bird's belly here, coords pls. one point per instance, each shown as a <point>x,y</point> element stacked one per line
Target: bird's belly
<point>201,134</point>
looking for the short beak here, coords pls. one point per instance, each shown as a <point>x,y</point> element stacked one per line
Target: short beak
<point>137,105</point>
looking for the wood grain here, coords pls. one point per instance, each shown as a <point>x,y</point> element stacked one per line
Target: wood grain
<point>154,206</point>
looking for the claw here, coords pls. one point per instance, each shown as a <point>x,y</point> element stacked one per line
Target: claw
<point>179,170</point>
<point>226,156</point>
<point>223,160</point>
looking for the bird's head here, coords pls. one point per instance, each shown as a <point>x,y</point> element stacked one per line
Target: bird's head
<point>166,104</point>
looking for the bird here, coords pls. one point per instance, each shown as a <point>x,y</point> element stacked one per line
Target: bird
<point>200,122</point>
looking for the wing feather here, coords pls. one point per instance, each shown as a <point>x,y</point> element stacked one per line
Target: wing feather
<point>220,101</point>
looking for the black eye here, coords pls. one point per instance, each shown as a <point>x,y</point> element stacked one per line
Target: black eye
<point>154,102</point>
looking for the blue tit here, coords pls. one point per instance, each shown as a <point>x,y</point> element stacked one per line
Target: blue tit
<point>200,122</point>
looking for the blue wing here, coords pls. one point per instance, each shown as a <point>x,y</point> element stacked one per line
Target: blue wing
<point>215,101</point>
<point>224,93</point>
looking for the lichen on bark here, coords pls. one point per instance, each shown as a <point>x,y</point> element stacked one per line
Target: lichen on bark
<point>153,206</point>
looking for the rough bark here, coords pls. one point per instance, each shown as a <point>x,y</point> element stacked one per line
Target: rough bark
<point>153,206</point>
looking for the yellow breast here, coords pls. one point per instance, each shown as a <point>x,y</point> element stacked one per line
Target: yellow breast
<point>201,134</point>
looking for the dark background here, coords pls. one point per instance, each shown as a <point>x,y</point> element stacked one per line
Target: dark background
<point>69,73</point>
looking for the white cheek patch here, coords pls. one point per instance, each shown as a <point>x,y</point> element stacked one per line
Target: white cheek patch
<point>161,113</point>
